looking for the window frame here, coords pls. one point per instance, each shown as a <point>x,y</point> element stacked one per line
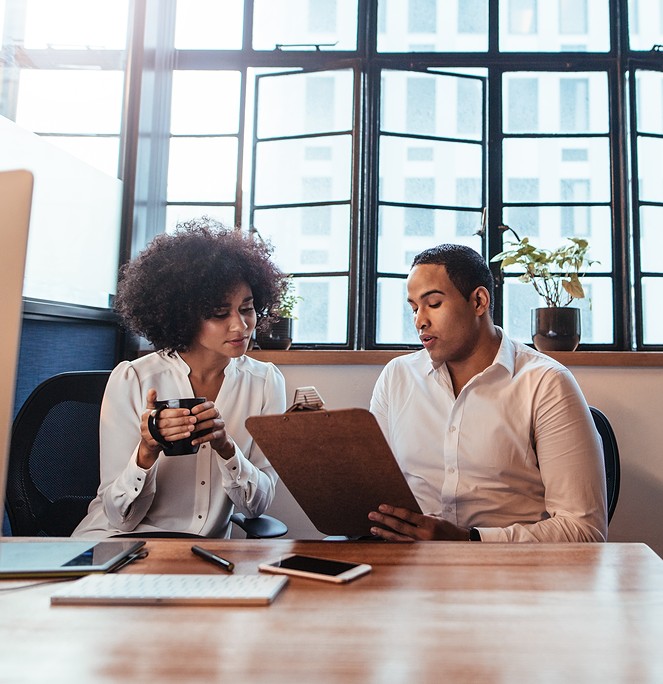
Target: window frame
<point>368,63</point>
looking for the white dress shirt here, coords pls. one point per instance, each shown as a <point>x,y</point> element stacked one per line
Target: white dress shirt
<point>192,493</point>
<point>515,455</point>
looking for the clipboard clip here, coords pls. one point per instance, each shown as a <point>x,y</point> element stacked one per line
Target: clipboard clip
<point>306,399</point>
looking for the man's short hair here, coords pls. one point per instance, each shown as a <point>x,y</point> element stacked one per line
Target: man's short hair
<point>466,268</point>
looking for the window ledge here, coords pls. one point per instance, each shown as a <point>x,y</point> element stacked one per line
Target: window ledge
<point>324,357</point>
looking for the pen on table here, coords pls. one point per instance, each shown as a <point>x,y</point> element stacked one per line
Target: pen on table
<point>213,558</point>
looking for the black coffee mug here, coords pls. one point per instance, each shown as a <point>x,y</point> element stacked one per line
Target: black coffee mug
<point>180,447</point>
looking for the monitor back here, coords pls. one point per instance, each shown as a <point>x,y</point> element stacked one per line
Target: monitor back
<point>15,202</point>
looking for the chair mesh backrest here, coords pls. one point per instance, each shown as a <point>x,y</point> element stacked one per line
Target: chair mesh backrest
<point>53,469</point>
<point>66,441</point>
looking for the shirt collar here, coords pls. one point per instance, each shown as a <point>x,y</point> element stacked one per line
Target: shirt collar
<point>505,357</point>
<point>506,354</point>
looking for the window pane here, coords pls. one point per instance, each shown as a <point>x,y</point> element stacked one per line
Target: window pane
<point>202,169</point>
<point>399,241</point>
<point>652,293</point>
<point>306,240</point>
<point>395,323</point>
<point>421,16</point>
<point>575,220</point>
<point>322,314</point>
<point>469,108</point>
<point>87,24</point>
<point>285,176</point>
<point>321,16</point>
<point>449,106</point>
<point>418,222</point>
<point>433,26</point>
<point>651,240</point>
<point>209,24</point>
<point>539,158</point>
<point>574,105</point>
<point>420,115</point>
<point>554,26</point>
<point>295,104</point>
<point>551,231</point>
<point>472,16</point>
<point>573,17</point>
<point>524,220</point>
<point>553,102</point>
<point>303,24</point>
<point>523,105</point>
<point>650,151</point>
<point>219,112</point>
<point>450,162</point>
<point>649,88</point>
<point>645,24</point>
<point>70,101</point>
<point>177,213</point>
<point>522,17</point>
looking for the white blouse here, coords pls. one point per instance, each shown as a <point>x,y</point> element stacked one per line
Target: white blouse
<point>194,493</point>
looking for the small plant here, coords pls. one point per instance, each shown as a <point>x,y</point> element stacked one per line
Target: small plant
<point>555,274</point>
<point>286,307</point>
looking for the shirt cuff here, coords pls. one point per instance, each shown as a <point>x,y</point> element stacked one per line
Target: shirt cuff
<point>231,468</point>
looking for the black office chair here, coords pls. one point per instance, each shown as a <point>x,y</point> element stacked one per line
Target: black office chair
<point>611,457</point>
<point>53,471</point>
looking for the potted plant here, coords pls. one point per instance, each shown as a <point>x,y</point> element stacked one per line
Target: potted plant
<point>277,332</point>
<point>555,275</point>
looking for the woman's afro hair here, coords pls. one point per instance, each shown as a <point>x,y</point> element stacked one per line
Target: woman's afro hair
<point>181,278</point>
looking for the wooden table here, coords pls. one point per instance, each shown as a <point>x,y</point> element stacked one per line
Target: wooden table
<point>429,612</point>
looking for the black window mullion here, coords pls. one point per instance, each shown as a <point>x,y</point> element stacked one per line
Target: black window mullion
<point>621,298</point>
<point>495,200</point>
<point>370,213</point>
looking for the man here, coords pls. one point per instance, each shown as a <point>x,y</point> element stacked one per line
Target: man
<point>495,439</point>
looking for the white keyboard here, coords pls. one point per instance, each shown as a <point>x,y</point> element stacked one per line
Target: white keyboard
<point>137,589</point>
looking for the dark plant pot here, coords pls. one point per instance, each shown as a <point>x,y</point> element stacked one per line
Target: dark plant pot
<point>556,328</point>
<point>277,336</point>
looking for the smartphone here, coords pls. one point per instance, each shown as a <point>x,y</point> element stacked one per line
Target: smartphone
<point>316,568</point>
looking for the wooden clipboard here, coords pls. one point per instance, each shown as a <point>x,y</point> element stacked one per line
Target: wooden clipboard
<point>337,465</point>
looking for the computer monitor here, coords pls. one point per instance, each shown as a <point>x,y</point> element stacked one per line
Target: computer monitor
<point>15,203</point>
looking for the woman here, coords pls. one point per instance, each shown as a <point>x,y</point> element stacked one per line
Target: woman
<point>197,296</point>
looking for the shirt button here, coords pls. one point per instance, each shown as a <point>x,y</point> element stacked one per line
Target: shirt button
<point>203,483</point>
<point>200,517</point>
<point>203,446</point>
<point>452,428</point>
<point>448,509</point>
<point>452,470</point>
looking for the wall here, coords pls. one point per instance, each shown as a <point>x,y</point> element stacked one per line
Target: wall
<point>632,399</point>
<point>50,347</point>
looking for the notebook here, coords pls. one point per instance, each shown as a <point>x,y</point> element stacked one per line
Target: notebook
<point>139,589</point>
<point>66,558</point>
